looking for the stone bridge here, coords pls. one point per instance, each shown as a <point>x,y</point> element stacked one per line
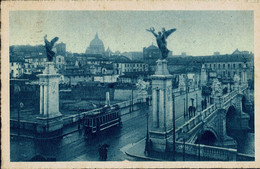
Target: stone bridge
<point>211,123</point>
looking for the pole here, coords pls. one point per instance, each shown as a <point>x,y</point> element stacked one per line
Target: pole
<point>184,107</point>
<point>199,151</point>
<point>19,109</point>
<point>183,151</point>
<point>147,133</point>
<point>132,105</point>
<point>78,120</point>
<point>173,126</point>
<point>186,93</point>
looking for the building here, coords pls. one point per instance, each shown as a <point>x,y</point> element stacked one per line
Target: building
<point>73,76</point>
<point>96,46</point>
<point>60,49</point>
<point>121,67</point>
<point>151,53</point>
<point>35,64</point>
<point>59,62</point>
<point>16,67</point>
<point>135,56</point>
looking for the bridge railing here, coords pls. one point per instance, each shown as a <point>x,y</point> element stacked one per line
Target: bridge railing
<point>194,121</point>
<point>226,97</point>
<point>76,117</point>
<point>245,157</point>
<point>211,152</point>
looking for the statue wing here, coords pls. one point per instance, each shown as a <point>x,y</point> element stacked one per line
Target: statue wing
<point>167,33</point>
<point>54,40</point>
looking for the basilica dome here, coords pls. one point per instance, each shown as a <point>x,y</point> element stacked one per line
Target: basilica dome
<point>96,46</point>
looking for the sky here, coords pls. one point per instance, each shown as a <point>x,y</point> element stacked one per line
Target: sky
<point>198,32</point>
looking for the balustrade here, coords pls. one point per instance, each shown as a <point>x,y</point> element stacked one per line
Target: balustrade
<point>206,151</point>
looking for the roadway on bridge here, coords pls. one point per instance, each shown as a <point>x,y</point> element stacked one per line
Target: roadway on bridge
<point>75,147</point>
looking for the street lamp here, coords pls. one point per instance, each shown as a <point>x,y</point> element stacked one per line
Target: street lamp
<point>17,90</point>
<point>187,88</point>
<point>147,146</point>
<point>78,119</point>
<point>184,136</point>
<point>184,107</point>
<point>173,126</point>
<point>199,150</point>
<point>19,110</point>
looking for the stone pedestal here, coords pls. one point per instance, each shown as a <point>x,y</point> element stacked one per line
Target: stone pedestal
<point>162,107</point>
<point>50,117</point>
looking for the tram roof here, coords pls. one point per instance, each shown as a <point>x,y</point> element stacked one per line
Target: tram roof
<point>101,111</point>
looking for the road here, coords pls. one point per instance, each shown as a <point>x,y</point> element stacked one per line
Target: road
<point>75,147</point>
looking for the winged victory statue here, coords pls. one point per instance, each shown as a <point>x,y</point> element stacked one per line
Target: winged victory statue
<point>49,46</point>
<point>161,40</point>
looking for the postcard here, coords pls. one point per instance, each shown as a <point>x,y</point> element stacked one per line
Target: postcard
<point>130,84</point>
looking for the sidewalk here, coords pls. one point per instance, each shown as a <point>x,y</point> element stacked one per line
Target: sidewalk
<point>136,153</point>
<point>68,129</point>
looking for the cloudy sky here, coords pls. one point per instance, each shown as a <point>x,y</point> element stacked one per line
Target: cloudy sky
<point>198,32</point>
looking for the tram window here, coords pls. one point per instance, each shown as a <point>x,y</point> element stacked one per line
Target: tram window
<point>90,122</point>
<point>94,122</point>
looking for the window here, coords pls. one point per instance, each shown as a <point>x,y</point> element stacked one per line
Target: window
<point>224,66</point>
<point>234,66</point>
<point>219,66</point>
<point>240,65</point>
<point>214,66</point>
<point>229,66</point>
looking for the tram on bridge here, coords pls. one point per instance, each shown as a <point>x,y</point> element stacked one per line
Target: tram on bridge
<point>102,119</point>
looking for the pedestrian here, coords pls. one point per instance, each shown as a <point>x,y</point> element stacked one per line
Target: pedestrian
<point>105,153</point>
<point>100,152</point>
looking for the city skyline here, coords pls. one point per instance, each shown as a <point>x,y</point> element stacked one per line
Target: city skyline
<point>198,32</point>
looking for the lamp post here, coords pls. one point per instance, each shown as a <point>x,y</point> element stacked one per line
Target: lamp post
<point>184,136</point>
<point>147,146</point>
<point>199,151</point>
<point>19,111</point>
<point>78,119</point>
<point>173,126</point>
<point>184,107</point>
<point>17,91</point>
<point>187,88</point>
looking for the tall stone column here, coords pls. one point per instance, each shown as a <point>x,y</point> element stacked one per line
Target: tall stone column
<point>162,107</point>
<point>41,98</point>
<point>50,118</point>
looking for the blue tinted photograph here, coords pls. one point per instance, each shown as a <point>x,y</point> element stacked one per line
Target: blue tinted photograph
<point>131,86</point>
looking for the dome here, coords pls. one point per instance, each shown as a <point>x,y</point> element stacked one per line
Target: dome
<point>152,47</point>
<point>96,42</point>
<point>96,46</point>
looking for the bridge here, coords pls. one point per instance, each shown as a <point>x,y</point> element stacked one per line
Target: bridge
<point>211,124</point>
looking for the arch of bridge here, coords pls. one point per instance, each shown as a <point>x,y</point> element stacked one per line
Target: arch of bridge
<point>207,131</point>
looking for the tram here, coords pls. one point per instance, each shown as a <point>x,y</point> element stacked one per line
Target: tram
<point>100,120</point>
